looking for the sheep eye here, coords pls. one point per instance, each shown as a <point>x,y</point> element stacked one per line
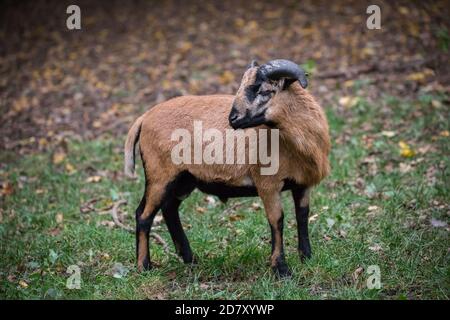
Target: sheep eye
<point>251,92</point>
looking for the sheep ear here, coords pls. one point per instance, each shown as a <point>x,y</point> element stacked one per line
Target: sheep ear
<point>253,64</point>
<point>302,80</point>
<point>288,82</point>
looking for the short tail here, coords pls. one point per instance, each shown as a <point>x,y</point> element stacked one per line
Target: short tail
<point>130,144</point>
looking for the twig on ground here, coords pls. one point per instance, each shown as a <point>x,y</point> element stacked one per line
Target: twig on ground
<point>158,239</point>
<point>235,206</point>
<point>115,217</point>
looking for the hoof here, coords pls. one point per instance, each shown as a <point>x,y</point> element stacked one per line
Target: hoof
<point>145,266</point>
<point>192,259</point>
<point>304,255</point>
<point>282,271</point>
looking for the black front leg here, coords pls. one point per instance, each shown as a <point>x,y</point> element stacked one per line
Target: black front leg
<point>301,200</point>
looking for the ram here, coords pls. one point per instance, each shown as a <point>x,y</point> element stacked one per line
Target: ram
<point>270,96</point>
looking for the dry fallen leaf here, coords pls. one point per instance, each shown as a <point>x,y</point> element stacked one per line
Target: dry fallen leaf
<point>54,232</point>
<point>388,134</point>
<point>23,284</point>
<point>93,179</point>
<point>226,77</point>
<point>342,233</point>
<point>313,218</point>
<point>204,286</point>
<point>40,191</point>
<point>70,168</point>
<point>106,256</point>
<point>404,167</point>
<point>348,101</point>
<point>375,248</point>
<point>420,76</point>
<point>256,206</point>
<point>7,189</point>
<point>235,217</point>
<point>107,223</point>
<point>58,157</point>
<point>59,218</point>
<point>357,273</point>
<point>200,209</point>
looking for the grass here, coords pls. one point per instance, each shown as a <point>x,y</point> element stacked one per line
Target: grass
<point>374,209</point>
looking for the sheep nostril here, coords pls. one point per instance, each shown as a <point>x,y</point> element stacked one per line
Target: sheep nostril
<point>233,115</point>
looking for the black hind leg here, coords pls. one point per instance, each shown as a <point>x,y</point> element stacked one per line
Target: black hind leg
<point>172,219</point>
<point>301,200</point>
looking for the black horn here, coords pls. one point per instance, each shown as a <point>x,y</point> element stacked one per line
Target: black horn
<point>280,68</point>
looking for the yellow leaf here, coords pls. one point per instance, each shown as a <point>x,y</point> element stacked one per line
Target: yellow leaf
<point>348,101</point>
<point>93,179</point>
<point>23,284</point>
<point>239,22</point>
<point>226,77</point>
<point>404,11</point>
<point>349,83</point>
<point>367,51</point>
<point>444,133</point>
<point>408,153</point>
<point>420,76</point>
<point>185,46</point>
<point>58,157</point>
<point>70,168</point>
<point>43,142</point>
<point>405,150</point>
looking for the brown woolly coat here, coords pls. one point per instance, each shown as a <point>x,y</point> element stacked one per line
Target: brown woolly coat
<point>304,140</point>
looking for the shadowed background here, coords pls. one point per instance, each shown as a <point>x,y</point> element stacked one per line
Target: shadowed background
<point>128,56</point>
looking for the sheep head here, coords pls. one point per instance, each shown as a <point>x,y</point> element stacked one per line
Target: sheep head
<point>259,86</point>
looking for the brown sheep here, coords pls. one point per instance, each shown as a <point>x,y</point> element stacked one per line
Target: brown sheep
<point>271,96</point>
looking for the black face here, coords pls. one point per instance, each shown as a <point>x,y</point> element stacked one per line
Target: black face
<point>247,121</point>
<point>252,101</point>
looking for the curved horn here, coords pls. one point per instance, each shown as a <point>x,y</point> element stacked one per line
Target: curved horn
<point>280,68</point>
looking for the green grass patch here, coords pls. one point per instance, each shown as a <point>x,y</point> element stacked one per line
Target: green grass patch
<point>376,208</point>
